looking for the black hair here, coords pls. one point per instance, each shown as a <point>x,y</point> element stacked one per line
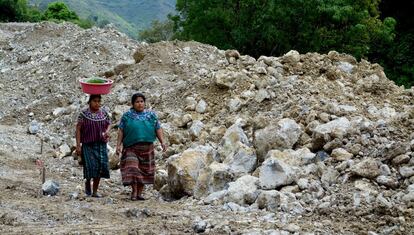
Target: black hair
<point>135,97</point>
<point>91,97</point>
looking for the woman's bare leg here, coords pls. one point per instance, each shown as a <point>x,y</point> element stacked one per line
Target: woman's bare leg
<point>140,188</point>
<point>95,186</point>
<point>134,193</point>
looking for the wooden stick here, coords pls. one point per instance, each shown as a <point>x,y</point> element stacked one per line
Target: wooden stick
<point>41,146</point>
<point>43,174</point>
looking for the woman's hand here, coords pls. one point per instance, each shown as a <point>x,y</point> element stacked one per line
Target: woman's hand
<point>106,136</point>
<point>78,150</point>
<point>164,147</point>
<point>118,150</point>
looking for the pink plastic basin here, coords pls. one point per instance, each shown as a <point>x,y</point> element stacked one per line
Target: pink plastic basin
<point>96,88</point>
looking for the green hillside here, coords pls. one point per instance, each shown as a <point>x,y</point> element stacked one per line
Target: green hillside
<point>129,16</point>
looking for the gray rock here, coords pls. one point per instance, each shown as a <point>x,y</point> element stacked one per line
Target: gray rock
<point>269,200</point>
<point>183,120</point>
<point>161,179</point>
<point>401,159</point>
<point>199,226</point>
<point>383,201</point>
<point>290,204</point>
<point>64,151</point>
<point>34,127</point>
<point>275,173</point>
<point>59,111</point>
<point>183,169</point>
<point>50,187</point>
<point>201,107</point>
<point>407,171</point>
<point>242,188</point>
<point>321,156</point>
<point>408,198</point>
<point>215,197</point>
<point>303,183</point>
<point>388,181</point>
<point>227,79</point>
<point>23,58</point>
<point>236,152</point>
<point>213,178</point>
<point>345,67</point>
<point>322,133</point>
<point>385,169</point>
<point>282,136</point>
<point>196,128</point>
<point>368,168</point>
<point>341,154</point>
<point>291,57</point>
<point>235,105</point>
<point>329,176</point>
<point>262,95</point>
<point>190,103</point>
<point>231,206</point>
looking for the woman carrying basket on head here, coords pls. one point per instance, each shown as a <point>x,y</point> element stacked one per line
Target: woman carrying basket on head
<point>91,138</point>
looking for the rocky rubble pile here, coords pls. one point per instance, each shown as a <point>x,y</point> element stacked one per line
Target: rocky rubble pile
<point>298,134</point>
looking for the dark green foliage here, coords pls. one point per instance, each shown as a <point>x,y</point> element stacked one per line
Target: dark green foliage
<point>86,24</point>
<point>159,31</point>
<point>33,14</point>
<point>17,10</point>
<point>398,59</point>
<point>273,27</point>
<point>380,31</point>
<point>59,11</point>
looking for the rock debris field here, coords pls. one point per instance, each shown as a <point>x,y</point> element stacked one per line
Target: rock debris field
<point>298,144</point>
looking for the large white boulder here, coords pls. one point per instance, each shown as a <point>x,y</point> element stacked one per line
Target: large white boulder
<point>243,191</point>
<point>184,169</point>
<point>282,136</point>
<point>236,151</point>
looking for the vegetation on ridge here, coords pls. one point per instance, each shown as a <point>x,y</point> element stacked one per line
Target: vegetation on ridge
<point>380,31</point>
<point>263,27</point>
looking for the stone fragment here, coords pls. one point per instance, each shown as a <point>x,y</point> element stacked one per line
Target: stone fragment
<point>367,168</point>
<point>341,154</point>
<point>50,187</point>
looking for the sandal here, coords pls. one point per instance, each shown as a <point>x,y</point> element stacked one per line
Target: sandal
<point>140,198</point>
<point>133,197</point>
<point>97,195</point>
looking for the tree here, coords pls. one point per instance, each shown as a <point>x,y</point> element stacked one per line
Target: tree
<point>273,27</point>
<point>398,59</point>
<point>60,12</point>
<point>17,11</point>
<point>13,10</point>
<point>159,31</point>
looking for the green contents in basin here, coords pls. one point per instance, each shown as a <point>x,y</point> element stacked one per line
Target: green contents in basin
<point>96,80</point>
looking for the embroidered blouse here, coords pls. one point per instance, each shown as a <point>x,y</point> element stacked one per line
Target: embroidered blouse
<point>139,127</point>
<point>93,125</point>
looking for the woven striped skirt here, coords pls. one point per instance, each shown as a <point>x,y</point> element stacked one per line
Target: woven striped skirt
<point>138,164</point>
<point>95,160</point>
